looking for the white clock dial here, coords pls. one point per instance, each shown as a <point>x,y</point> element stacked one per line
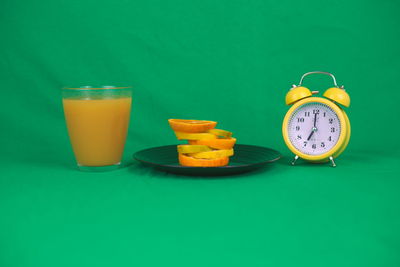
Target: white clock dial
<point>314,128</point>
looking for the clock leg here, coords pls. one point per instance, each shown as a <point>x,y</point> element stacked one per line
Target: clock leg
<point>295,159</point>
<point>332,161</point>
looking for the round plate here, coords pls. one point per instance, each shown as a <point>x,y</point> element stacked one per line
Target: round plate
<point>246,158</point>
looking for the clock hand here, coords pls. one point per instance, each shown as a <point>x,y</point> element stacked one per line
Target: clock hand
<point>315,120</point>
<point>314,129</point>
<point>312,132</point>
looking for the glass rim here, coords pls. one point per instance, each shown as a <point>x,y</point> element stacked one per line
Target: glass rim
<point>88,87</point>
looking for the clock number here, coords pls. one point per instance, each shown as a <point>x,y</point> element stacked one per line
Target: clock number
<point>323,144</point>
<point>300,119</point>
<point>330,138</point>
<point>305,143</point>
<point>331,121</point>
<point>297,128</point>
<point>315,111</point>
<point>314,146</point>
<point>307,114</point>
<point>299,137</point>
<point>324,114</point>
<point>332,129</point>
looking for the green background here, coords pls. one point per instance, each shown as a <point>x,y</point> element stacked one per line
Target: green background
<point>229,61</point>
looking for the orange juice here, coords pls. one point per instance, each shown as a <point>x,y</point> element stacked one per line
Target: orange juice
<point>97,129</point>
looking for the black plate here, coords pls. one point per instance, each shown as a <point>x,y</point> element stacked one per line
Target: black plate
<point>246,158</point>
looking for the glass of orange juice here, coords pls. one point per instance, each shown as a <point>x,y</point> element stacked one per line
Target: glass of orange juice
<point>97,121</point>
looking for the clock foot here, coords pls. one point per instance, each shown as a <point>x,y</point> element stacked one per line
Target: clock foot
<point>295,159</point>
<point>332,161</point>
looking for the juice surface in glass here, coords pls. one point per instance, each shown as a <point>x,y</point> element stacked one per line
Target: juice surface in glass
<point>97,123</point>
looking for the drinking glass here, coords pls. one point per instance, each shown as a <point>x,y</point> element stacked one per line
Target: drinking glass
<point>97,120</point>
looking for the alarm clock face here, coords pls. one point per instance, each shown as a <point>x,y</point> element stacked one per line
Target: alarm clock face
<point>314,128</point>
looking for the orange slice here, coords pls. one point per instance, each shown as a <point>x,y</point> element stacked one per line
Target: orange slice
<point>220,143</point>
<point>192,162</point>
<point>187,149</point>
<point>221,133</point>
<point>191,126</point>
<point>213,154</point>
<point>194,136</point>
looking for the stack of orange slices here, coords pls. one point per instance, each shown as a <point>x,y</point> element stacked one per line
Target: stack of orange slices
<point>207,146</point>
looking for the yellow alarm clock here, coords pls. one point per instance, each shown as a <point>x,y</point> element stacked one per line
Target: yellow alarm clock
<point>316,129</point>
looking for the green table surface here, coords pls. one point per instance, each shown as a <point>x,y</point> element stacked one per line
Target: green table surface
<point>231,61</point>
